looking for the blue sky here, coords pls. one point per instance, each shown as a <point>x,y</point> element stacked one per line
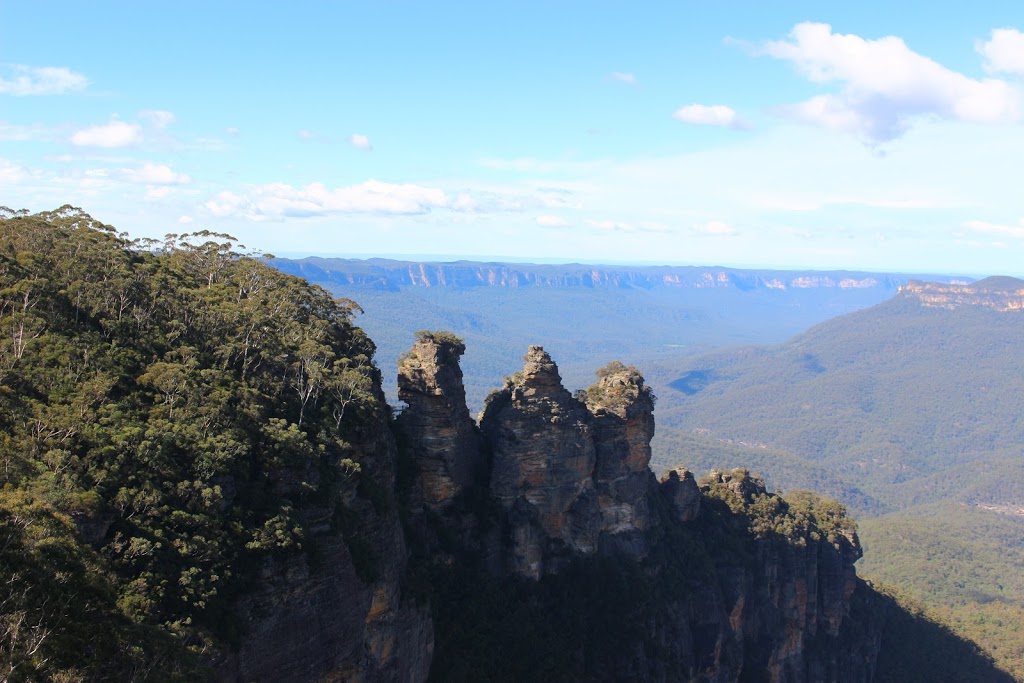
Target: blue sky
<point>788,134</point>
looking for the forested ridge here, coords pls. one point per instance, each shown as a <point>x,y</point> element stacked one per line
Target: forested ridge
<point>180,424</point>
<point>172,404</point>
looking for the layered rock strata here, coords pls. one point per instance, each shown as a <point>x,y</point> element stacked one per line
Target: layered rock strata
<point>437,421</point>
<point>570,473</point>
<point>569,478</point>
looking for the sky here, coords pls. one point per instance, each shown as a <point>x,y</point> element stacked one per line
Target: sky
<point>780,134</point>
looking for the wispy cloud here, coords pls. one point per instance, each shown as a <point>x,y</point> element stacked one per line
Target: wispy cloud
<point>10,173</point>
<point>622,226</point>
<point>623,77</point>
<point>710,115</point>
<point>157,117</point>
<point>41,80</point>
<point>113,134</point>
<point>715,229</point>
<point>884,85</point>
<point>280,200</point>
<point>999,230</point>
<point>548,221</point>
<point>154,174</point>
<point>360,142</point>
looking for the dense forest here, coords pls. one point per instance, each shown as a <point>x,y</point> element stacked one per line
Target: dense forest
<point>179,421</point>
<point>171,405</point>
<point>910,414</point>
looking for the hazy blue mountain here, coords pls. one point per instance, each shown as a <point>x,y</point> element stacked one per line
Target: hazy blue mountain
<point>915,399</point>
<point>910,410</point>
<point>585,315</point>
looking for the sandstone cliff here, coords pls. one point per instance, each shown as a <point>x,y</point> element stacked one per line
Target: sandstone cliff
<point>725,581</point>
<point>388,274</point>
<point>995,293</point>
<point>339,613</point>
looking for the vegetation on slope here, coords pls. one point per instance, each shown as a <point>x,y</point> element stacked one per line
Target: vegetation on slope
<point>165,410</point>
<point>894,408</point>
<point>963,563</point>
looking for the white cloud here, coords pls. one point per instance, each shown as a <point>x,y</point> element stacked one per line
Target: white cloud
<point>360,142</point>
<point>154,174</point>
<point>714,115</point>
<point>715,229</point>
<point>18,133</point>
<point>186,220</point>
<point>884,85</point>
<point>10,173</point>
<point>280,200</point>
<point>1004,51</point>
<point>610,226</point>
<point>306,134</point>
<point>157,118</point>
<point>113,134</point>
<point>544,166</point>
<point>552,221</point>
<point>623,77</point>
<point>232,130</point>
<point>45,80</point>
<point>620,226</point>
<point>1014,231</point>
<point>159,192</point>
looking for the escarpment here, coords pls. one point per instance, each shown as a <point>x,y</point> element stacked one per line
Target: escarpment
<point>202,481</point>
<point>437,420</point>
<point>725,581</point>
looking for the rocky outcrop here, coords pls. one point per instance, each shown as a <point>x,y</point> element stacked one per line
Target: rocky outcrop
<point>542,473</point>
<point>387,274</point>
<point>680,487</point>
<point>437,421</point>
<point>1001,294</point>
<point>623,424</point>
<point>570,479</point>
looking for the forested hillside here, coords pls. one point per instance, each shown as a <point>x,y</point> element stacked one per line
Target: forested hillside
<point>909,410</point>
<point>200,480</point>
<point>587,315</point>
<point>166,410</point>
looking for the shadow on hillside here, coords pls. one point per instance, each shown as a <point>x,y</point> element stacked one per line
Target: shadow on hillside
<point>916,648</point>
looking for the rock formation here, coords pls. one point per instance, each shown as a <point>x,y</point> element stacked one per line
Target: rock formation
<point>569,479</point>
<point>570,473</point>
<point>437,419</point>
<point>1003,294</point>
<point>680,487</point>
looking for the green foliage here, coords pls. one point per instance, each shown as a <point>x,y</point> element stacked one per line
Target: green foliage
<point>964,563</point>
<point>180,402</point>
<point>455,345</point>
<point>617,387</point>
<point>918,646</point>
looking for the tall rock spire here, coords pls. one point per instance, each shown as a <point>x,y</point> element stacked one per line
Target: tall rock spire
<point>437,421</point>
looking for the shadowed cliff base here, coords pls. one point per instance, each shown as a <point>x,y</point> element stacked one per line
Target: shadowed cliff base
<point>917,648</point>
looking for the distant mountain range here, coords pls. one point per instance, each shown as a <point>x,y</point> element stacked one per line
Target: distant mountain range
<point>387,274</point>
<point>908,411</point>
<point>586,315</point>
<point>900,399</point>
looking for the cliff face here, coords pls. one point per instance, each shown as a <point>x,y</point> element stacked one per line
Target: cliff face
<point>338,614</point>
<point>728,582</point>
<point>387,274</point>
<point>437,420</point>
<point>1001,294</point>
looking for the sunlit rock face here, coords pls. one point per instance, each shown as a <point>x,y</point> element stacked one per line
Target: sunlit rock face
<point>1003,294</point>
<point>564,477</point>
<point>623,417</point>
<point>437,422</point>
